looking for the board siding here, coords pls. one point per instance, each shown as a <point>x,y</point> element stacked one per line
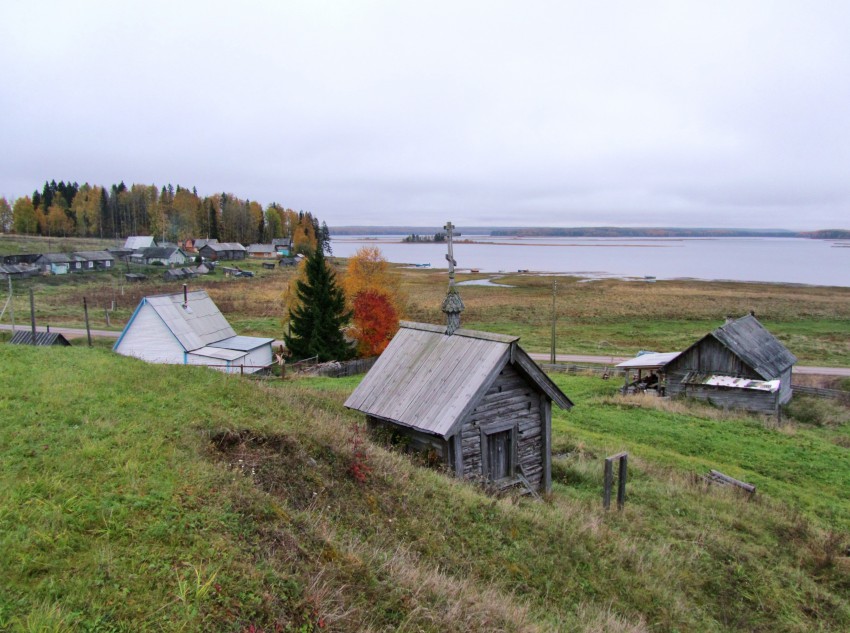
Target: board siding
<point>149,339</point>
<point>510,400</point>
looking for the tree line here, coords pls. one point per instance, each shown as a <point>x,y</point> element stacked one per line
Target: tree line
<point>170,214</point>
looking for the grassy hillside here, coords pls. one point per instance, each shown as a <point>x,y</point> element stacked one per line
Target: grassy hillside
<point>137,497</point>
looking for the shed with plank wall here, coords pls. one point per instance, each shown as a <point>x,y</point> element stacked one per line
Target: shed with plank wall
<point>740,349</point>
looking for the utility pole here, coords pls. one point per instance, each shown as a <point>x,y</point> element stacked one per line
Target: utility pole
<point>32,315</point>
<point>86,311</point>
<point>10,303</point>
<point>554,294</point>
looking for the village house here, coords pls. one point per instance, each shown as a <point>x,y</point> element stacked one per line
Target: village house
<point>165,255</point>
<point>55,263</point>
<point>474,401</point>
<point>92,260</point>
<point>188,329</point>
<point>283,246</point>
<point>739,365</point>
<point>135,242</point>
<point>203,241</point>
<point>262,251</point>
<point>223,251</point>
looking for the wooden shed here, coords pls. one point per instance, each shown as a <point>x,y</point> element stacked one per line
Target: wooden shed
<point>474,400</point>
<point>739,365</point>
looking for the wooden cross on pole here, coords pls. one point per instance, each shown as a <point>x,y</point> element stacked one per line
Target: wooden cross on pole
<point>450,257</point>
<point>452,304</point>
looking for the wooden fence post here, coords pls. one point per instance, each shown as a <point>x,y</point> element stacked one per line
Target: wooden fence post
<point>608,483</point>
<point>621,481</point>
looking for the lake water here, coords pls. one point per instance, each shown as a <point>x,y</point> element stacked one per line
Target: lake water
<point>776,260</point>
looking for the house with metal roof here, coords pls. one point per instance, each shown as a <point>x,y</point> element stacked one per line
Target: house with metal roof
<point>474,401</point>
<point>165,255</point>
<point>135,242</point>
<point>739,365</point>
<point>188,329</point>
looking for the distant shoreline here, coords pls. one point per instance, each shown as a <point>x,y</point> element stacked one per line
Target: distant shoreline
<point>597,231</point>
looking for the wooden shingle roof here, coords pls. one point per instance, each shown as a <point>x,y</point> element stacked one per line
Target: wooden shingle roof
<point>752,343</point>
<point>430,381</point>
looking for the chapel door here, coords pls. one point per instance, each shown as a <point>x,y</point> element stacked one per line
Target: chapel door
<point>499,446</point>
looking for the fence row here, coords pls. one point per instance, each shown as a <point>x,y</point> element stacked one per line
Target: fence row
<point>838,394</point>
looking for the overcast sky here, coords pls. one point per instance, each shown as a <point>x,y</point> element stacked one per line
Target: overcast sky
<point>564,113</point>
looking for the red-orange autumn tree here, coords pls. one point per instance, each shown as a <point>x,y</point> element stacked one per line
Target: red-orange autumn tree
<point>375,322</point>
<point>374,295</point>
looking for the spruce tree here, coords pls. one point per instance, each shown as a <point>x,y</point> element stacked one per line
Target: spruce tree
<point>316,322</point>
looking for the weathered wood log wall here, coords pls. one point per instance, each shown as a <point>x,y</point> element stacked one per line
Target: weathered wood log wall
<point>511,399</point>
<point>727,397</point>
<point>711,357</point>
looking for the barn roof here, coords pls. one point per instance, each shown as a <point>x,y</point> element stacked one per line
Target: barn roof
<point>428,380</point>
<point>24,337</point>
<point>195,326</point>
<point>752,343</point>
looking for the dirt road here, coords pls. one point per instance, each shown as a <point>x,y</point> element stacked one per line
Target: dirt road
<point>560,358</point>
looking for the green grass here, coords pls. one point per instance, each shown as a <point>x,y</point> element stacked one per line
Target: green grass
<point>137,497</point>
<point>804,465</point>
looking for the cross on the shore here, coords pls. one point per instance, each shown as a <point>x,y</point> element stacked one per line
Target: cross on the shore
<point>450,256</point>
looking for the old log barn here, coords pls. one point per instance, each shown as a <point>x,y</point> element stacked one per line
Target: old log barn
<point>739,365</point>
<point>475,400</point>
<point>188,329</point>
